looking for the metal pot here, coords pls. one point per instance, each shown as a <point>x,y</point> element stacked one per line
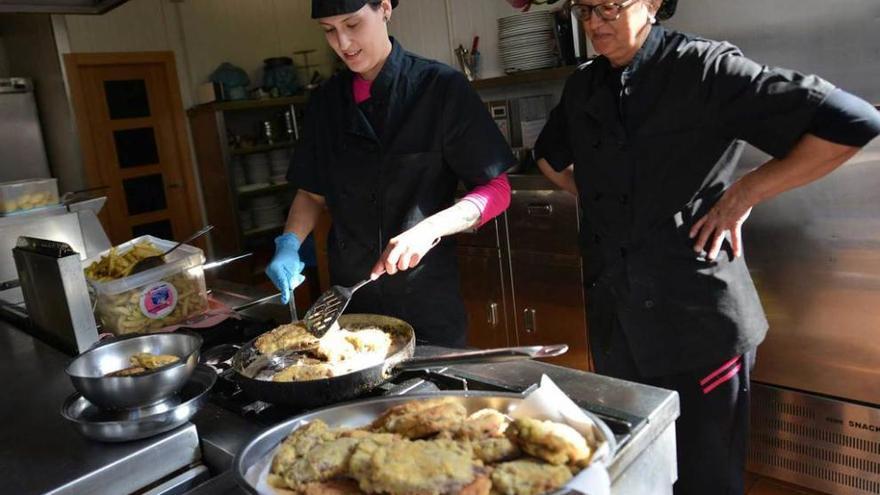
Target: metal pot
<point>320,392</point>
<point>87,370</point>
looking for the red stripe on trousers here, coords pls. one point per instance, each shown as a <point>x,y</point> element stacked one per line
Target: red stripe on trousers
<point>717,372</point>
<point>718,382</point>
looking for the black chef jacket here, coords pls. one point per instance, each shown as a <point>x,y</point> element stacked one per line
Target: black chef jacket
<point>434,132</point>
<point>654,146</point>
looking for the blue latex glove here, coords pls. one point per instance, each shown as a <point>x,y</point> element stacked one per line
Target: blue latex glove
<point>285,269</point>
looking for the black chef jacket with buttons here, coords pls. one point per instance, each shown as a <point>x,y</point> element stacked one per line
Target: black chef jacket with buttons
<point>388,164</point>
<point>654,146</point>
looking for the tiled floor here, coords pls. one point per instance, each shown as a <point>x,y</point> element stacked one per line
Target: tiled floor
<point>757,485</point>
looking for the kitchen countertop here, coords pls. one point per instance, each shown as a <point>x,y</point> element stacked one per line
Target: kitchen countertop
<point>646,461</point>
<point>40,452</point>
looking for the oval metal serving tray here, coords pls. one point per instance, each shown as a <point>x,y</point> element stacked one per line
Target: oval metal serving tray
<point>362,412</point>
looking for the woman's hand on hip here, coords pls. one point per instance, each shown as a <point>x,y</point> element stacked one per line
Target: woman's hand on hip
<point>727,216</point>
<point>405,251</point>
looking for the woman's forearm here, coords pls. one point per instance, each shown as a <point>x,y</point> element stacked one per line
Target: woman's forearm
<point>304,213</point>
<point>563,180</point>
<point>457,218</point>
<point>811,159</point>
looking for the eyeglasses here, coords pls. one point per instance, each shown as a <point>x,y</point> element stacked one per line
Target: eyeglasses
<point>609,11</point>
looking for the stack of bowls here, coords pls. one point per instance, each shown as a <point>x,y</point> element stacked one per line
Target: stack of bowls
<point>527,41</point>
<point>257,168</point>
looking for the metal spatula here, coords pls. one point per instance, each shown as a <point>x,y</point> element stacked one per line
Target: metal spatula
<point>159,260</point>
<point>327,309</point>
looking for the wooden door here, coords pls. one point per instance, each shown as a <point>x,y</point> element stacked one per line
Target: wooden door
<point>134,142</point>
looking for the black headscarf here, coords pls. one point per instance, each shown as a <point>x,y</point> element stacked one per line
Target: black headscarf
<point>328,8</point>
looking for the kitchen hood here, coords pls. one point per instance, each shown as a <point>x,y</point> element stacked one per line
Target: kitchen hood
<point>59,6</point>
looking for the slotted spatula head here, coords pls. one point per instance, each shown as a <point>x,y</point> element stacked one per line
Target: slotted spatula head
<point>326,310</point>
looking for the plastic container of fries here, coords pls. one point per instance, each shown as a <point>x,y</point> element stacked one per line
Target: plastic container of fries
<point>150,300</point>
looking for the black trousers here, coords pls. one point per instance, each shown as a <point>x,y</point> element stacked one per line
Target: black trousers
<point>712,432</point>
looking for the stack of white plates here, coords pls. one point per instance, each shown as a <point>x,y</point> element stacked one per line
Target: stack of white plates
<point>257,168</point>
<point>279,162</point>
<point>238,177</point>
<point>270,216</point>
<point>527,41</point>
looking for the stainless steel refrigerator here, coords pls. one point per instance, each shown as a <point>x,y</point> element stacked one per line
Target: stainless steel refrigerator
<point>22,150</point>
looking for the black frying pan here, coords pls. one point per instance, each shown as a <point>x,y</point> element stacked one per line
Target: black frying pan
<point>315,393</point>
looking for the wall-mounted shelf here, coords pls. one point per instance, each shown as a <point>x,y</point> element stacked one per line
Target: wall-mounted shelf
<point>261,231</point>
<point>526,77</point>
<point>249,104</point>
<point>259,191</point>
<point>246,150</point>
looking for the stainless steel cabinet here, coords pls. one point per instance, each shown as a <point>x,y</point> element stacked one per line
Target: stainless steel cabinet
<point>521,277</point>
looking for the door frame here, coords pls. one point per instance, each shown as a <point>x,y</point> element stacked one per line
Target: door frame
<point>72,64</point>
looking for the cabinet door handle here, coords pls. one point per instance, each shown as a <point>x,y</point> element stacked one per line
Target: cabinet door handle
<point>493,314</point>
<point>539,210</point>
<point>530,320</point>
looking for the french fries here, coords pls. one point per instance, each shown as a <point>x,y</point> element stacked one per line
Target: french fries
<point>115,265</point>
<point>124,312</point>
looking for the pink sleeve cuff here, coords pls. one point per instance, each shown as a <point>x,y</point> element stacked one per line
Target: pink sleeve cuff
<point>492,198</point>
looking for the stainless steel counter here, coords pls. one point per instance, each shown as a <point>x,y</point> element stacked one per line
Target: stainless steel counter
<point>41,453</point>
<point>645,464</point>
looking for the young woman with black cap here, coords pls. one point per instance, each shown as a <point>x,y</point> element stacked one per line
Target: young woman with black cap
<point>384,147</point>
<point>648,135</point>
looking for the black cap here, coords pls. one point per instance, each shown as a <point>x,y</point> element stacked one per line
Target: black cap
<point>667,10</point>
<point>328,8</point>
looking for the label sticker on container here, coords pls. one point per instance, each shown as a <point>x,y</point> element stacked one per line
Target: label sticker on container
<point>158,300</point>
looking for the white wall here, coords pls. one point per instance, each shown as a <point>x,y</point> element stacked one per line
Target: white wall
<point>434,28</point>
<point>203,34</point>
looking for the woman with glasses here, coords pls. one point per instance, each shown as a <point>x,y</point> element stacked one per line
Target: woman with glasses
<point>385,144</point>
<point>648,135</point>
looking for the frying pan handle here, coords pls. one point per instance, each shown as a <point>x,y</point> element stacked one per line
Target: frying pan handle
<point>499,355</point>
